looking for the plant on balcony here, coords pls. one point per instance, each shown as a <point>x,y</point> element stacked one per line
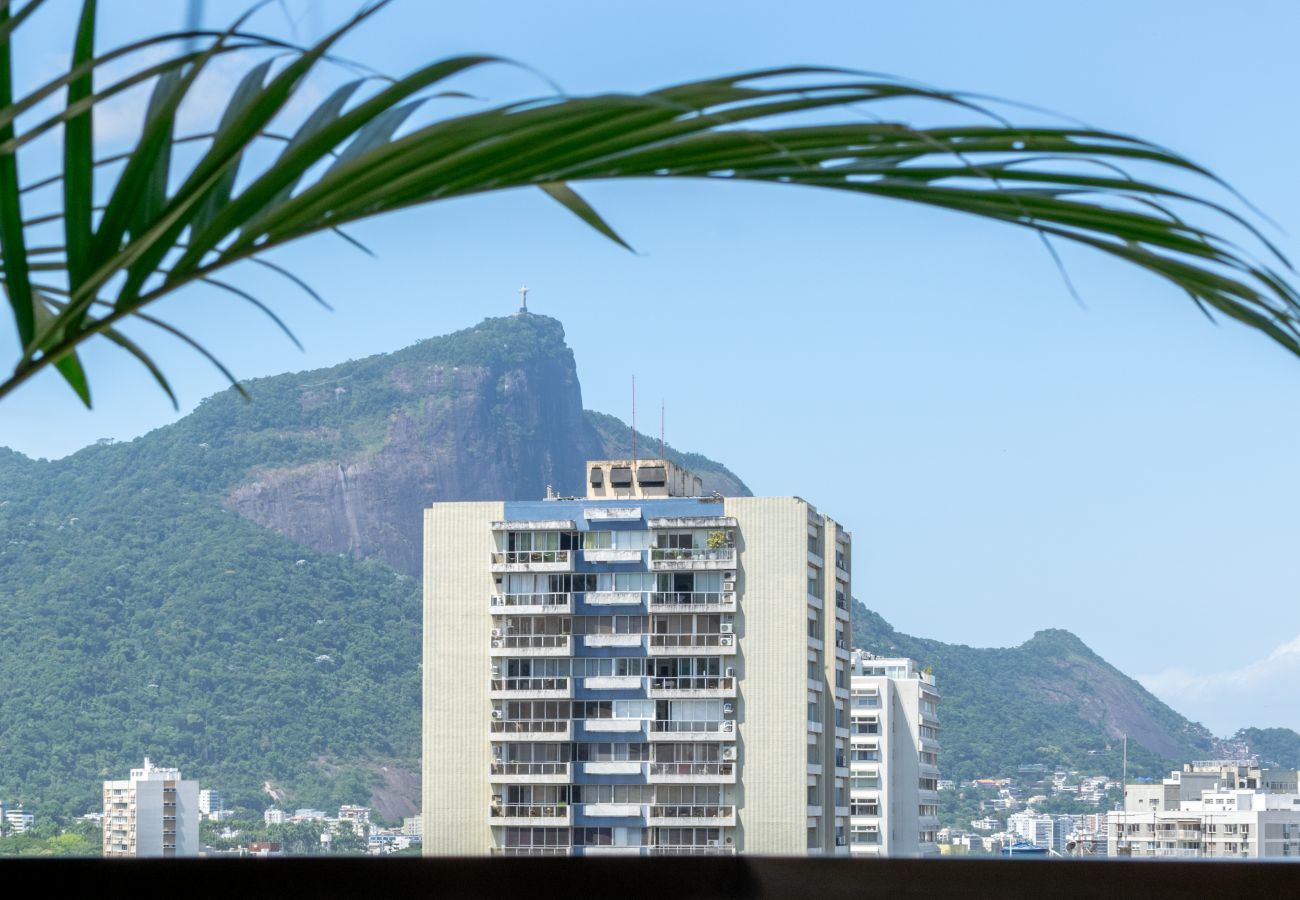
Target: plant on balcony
<point>717,540</point>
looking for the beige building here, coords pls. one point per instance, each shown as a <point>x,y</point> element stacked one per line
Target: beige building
<point>893,758</point>
<point>153,813</point>
<point>642,671</point>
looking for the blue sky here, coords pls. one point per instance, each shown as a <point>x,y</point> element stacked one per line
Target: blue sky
<point>1017,462</point>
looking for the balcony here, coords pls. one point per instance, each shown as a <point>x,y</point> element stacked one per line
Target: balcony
<point>613,810</point>
<point>612,682</point>
<point>693,773</point>
<point>684,688</point>
<point>532,645</point>
<point>693,601</point>
<point>692,644</point>
<point>692,815</point>
<point>534,525</point>
<point>614,598</point>
<point>530,688</point>
<point>531,604</point>
<point>529,851</point>
<point>612,726</point>
<point>686,730</point>
<point>532,814</point>
<point>531,730</point>
<point>674,559</point>
<point>713,848</point>
<point>611,555</point>
<point>530,773</point>
<point>683,522</point>
<point>612,850</point>
<point>613,640</point>
<point>612,513</point>
<point>612,767</point>
<point>532,561</point>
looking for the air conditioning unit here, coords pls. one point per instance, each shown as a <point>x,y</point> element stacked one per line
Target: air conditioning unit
<point>728,708</point>
<point>728,726</point>
<point>729,576</point>
<point>731,671</point>
<point>497,642</point>
<point>729,753</point>
<point>725,640</point>
<point>496,669</point>
<point>497,714</point>
<point>712,843</point>
<point>726,628</point>
<point>496,632</point>
<point>731,534</point>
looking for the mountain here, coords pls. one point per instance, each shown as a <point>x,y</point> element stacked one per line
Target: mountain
<point>1051,700</point>
<point>233,593</point>
<point>1278,747</point>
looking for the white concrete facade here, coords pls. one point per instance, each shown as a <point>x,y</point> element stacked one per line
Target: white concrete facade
<point>894,791</point>
<point>1229,823</point>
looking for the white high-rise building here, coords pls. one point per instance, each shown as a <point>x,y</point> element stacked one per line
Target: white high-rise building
<point>893,758</point>
<point>642,671</point>
<point>210,803</point>
<point>153,813</point>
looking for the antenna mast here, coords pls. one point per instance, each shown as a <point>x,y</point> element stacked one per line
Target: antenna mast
<point>634,421</point>
<point>661,429</point>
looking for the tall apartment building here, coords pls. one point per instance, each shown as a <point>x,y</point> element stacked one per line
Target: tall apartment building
<point>642,671</point>
<point>153,813</point>
<point>893,758</point>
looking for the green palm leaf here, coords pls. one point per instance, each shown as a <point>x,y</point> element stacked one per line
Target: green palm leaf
<point>357,155</point>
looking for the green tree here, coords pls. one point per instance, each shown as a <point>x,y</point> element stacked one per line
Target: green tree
<point>183,209</point>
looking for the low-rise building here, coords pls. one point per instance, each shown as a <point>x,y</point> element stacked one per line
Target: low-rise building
<point>1224,823</point>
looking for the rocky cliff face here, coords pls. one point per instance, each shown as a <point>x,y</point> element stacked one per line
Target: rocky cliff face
<point>502,421</point>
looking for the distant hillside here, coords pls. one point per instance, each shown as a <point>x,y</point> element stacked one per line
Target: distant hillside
<point>1051,700</point>
<point>144,608</point>
<point>1278,747</point>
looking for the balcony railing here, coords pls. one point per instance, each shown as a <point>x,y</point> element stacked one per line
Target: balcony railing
<point>544,603</point>
<point>530,851</point>
<point>713,849</point>
<point>692,812</point>
<point>531,642</point>
<point>678,641</point>
<point>695,600</point>
<point>720,683</point>
<point>553,687</point>
<point>531,811</point>
<point>692,769</point>
<point>523,560</point>
<point>530,726</point>
<point>692,554</point>
<point>614,598</point>
<point>686,726</point>
<point>530,769</point>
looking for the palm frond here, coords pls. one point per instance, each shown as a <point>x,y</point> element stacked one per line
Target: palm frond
<point>369,148</point>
